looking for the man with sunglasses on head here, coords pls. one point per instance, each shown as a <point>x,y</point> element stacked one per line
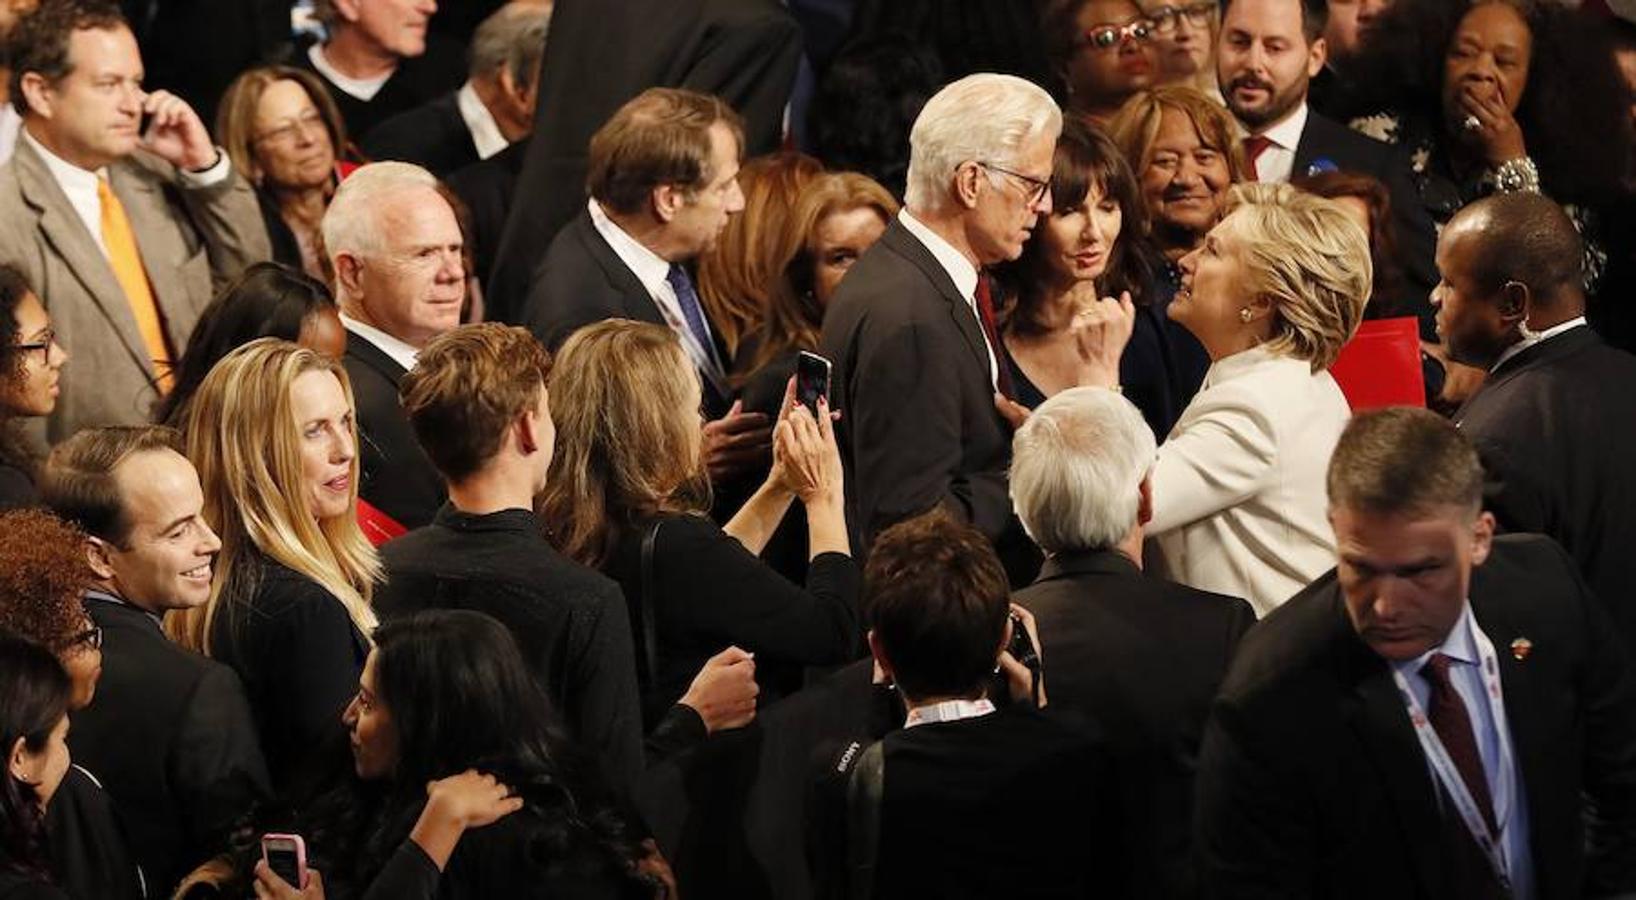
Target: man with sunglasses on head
<point>1104,51</point>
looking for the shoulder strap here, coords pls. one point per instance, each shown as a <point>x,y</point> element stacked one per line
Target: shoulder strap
<point>641,611</point>
<point>864,789</point>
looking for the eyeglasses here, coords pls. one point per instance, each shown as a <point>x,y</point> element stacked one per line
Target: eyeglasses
<point>1036,186</point>
<point>1198,15</point>
<point>288,134</point>
<point>1107,37</point>
<point>91,638</point>
<point>48,337</point>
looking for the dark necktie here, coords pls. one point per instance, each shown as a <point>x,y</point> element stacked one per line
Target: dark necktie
<point>985,315</point>
<point>1254,146</point>
<point>1449,718</point>
<point>688,300</point>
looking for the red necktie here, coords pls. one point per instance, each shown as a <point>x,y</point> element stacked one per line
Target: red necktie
<point>985,315</point>
<point>1449,718</point>
<point>1254,146</point>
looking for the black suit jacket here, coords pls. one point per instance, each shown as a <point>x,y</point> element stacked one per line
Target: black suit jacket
<point>432,135</point>
<point>1142,657</point>
<point>581,281</point>
<point>911,376</point>
<point>1312,783</point>
<point>396,477</point>
<point>1556,428</point>
<point>171,738</point>
<point>487,187</point>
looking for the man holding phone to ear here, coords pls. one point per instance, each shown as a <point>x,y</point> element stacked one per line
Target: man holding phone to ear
<point>119,208</point>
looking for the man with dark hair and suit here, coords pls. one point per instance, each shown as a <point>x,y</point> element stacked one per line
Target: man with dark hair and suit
<point>1446,714</point>
<point>911,330</point>
<point>400,280</point>
<point>663,182</point>
<point>126,232</point>
<point>170,733</point>
<point>1555,421</point>
<point>1140,656</point>
<point>491,110</point>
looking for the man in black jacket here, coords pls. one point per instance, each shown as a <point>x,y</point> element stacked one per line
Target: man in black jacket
<point>1140,656</point>
<point>170,733</point>
<point>1446,714</point>
<point>1555,422</point>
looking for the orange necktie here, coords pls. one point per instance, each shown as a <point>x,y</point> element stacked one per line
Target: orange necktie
<point>133,279</point>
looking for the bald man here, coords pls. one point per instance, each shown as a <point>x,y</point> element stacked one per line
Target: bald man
<point>1555,422</point>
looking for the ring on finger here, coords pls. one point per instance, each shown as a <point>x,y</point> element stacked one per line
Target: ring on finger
<point>1471,123</point>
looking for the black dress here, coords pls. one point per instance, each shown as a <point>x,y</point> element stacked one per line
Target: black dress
<point>17,490</point>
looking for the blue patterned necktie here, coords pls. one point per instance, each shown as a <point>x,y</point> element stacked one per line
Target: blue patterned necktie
<point>688,299</point>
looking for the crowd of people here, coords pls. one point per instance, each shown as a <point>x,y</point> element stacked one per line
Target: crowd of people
<point>817,449</point>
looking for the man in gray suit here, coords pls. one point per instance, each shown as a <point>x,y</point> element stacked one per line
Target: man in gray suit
<point>125,233</point>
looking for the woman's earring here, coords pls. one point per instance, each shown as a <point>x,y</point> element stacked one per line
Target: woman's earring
<point>1244,314</point>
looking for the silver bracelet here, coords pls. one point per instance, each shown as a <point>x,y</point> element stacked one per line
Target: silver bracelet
<point>1516,175</point>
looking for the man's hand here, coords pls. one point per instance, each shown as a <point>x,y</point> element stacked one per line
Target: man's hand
<point>1018,677</point>
<point>176,133</point>
<point>736,442</point>
<point>1014,413</point>
<point>271,887</point>
<point>724,692</point>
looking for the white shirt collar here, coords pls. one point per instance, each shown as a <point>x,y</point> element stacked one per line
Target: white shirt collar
<point>1460,645</point>
<point>79,185</point>
<point>1536,337</point>
<point>485,132</point>
<point>400,352</point>
<point>11,123</point>
<point>1287,133</point>
<point>363,89</point>
<point>960,269</point>
<point>649,268</point>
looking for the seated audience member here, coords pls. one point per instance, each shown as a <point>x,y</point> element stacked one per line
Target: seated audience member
<point>170,735</point>
<point>282,130</point>
<point>1140,656</point>
<point>737,273</point>
<point>1420,703</point>
<point>1238,487</point>
<point>1093,245</point>
<point>126,231</point>
<point>43,576</point>
<point>379,59</point>
<point>1555,421</point>
<point>272,434</point>
<point>445,693</point>
<point>31,362</point>
<point>627,492</point>
<point>400,278</point>
<point>267,300</point>
<point>1104,52</point>
<point>969,801</point>
<point>491,110</point>
<point>478,402</point>
<point>1187,32</point>
<point>34,696</point>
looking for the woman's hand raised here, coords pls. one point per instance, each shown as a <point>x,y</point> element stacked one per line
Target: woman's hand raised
<point>1101,328</point>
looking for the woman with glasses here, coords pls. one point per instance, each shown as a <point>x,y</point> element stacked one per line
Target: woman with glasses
<point>30,365</point>
<point>1104,51</point>
<point>1186,31</point>
<point>282,129</point>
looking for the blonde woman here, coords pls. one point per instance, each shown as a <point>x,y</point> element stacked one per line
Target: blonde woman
<point>1238,489</point>
<point>271,432</point>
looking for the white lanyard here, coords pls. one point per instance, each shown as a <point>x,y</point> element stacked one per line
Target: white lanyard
<point>1443,765</point>
<point>948,711</point>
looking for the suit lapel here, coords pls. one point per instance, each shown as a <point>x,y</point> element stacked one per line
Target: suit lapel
<point>906,245</point>
<point>619,276</point>
<point>364,351</point>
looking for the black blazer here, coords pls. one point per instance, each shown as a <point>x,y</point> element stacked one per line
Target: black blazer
<point>171,737</point>
<point>919,428</point>
<point>90,849</point>
<point>1141,657</point>
<point>1312,783</point>
<point>432,135</point>
<point>395,475</point>
<point>1556,428</point>
<point>487,188</point>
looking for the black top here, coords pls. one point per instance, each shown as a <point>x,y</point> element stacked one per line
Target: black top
<point>568,620</point>
<point>20,887</point>
<point>17,490</point>
<point>299,656</point>
<point>441,68</point>
<point>432,135</point>
<point>171,737</point>
<point>89,847</point>
<point>713,593</point>
<point>487,188</point>
<point>395,476</point>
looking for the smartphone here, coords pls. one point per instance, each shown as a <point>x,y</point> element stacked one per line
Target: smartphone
<point>286,855</point>
<point>1022,646</point>
<point>811,380</point>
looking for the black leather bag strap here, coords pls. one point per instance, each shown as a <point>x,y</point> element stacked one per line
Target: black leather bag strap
<point>864,789</point>
<point>641,611</point>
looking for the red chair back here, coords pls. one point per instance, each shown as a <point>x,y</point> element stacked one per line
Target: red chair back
<point>1380,366</point>
<point>377,526</point>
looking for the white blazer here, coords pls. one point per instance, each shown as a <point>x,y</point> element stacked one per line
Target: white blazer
<point>1239,501</point>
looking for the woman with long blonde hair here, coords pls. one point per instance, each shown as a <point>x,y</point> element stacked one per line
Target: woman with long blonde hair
<point>271,432</point>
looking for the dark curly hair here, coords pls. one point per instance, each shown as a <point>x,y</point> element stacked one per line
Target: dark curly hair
<point>865,103</point>
<point>34,693</point>
<point>43,573</point>
<point>13,288</point>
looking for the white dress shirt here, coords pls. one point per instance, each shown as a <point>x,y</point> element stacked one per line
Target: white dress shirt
<point>1277,163</point>
<point>485,132</point>
<point>1240,505</point>
<point>11,122</point>
<point>1536,337</point>
<point>401,353</point>
<point>363,89</point>
<point>961,272</point>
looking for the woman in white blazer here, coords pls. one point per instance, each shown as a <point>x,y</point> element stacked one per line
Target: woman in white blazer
<point>1239,504</point>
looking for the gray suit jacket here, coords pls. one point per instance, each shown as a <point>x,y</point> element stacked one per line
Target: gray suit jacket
<point>192,240</point>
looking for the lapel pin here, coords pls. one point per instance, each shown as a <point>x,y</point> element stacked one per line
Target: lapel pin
<point>1520,648</point>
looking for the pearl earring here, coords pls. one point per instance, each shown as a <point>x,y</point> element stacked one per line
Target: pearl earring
<point>1244,315</point>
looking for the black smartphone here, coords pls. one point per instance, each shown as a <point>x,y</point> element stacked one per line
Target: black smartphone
<point>811,380</point>
<point>1022,646</point>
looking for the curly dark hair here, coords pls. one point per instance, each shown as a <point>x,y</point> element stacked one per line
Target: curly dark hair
<point>43,573</point>
<point>13,288</point>
<point>34,693</point>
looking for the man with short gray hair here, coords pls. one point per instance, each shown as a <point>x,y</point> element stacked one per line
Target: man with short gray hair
<point>1140,656</point>
<point>917,358</point>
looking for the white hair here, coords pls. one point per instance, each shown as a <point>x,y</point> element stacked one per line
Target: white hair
<point>1077,466</point>
<point>980,118</point>
<point>351,223</point>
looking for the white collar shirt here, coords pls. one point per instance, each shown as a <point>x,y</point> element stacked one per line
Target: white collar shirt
<point>1537,337</point>
<point>363,89</point>
<point>485,131</point>
<point>1277,163</point>
<point>401,352</point>
<point>961,272</point>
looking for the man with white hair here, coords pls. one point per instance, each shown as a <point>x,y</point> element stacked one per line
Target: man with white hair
<point>400,280</point>
<point>1139,655</point>
<point>911,330</point>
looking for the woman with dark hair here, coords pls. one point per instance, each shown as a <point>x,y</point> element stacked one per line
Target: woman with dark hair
<point>267,300</point>
<point>34,692</point>
<point>30,363</point>
<point>445,692</point>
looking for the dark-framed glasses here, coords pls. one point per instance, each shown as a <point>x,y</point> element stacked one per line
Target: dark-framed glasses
<point>90,639</point>
<point>1036,186</point>
<point>1199,14</point>
<point>47,338</point>
<point>1107,37</point>
<point>308,122</point>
